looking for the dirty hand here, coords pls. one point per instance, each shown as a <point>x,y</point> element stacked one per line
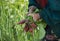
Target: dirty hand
<point>35,16</point>
<point>50,37</point>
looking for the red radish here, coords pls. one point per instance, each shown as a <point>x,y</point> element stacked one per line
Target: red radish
<point>33,25</point>
<point>31,30</point>
<point>26,28</point>
<point>22,22</point>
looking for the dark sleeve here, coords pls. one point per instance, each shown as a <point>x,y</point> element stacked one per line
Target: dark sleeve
<point>33,3</point>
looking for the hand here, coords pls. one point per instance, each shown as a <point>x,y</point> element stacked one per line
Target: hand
<point>35,16</point>
<point>50,37</point>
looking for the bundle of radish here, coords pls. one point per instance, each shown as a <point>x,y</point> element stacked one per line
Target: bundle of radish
<point>34,27</point>
<point>29,25</point>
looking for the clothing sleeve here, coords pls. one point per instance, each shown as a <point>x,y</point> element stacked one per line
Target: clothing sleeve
<point>33,3</point>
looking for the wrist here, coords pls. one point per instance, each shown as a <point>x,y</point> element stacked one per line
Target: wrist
<point>31,9</point>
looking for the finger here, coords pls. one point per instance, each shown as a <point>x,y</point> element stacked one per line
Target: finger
<point>30,15</point>
<point>34,18</point>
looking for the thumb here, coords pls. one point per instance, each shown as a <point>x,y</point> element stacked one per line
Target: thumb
<point>30,15</point>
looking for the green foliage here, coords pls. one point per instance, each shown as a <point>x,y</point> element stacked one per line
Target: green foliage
<point>11,12</point>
